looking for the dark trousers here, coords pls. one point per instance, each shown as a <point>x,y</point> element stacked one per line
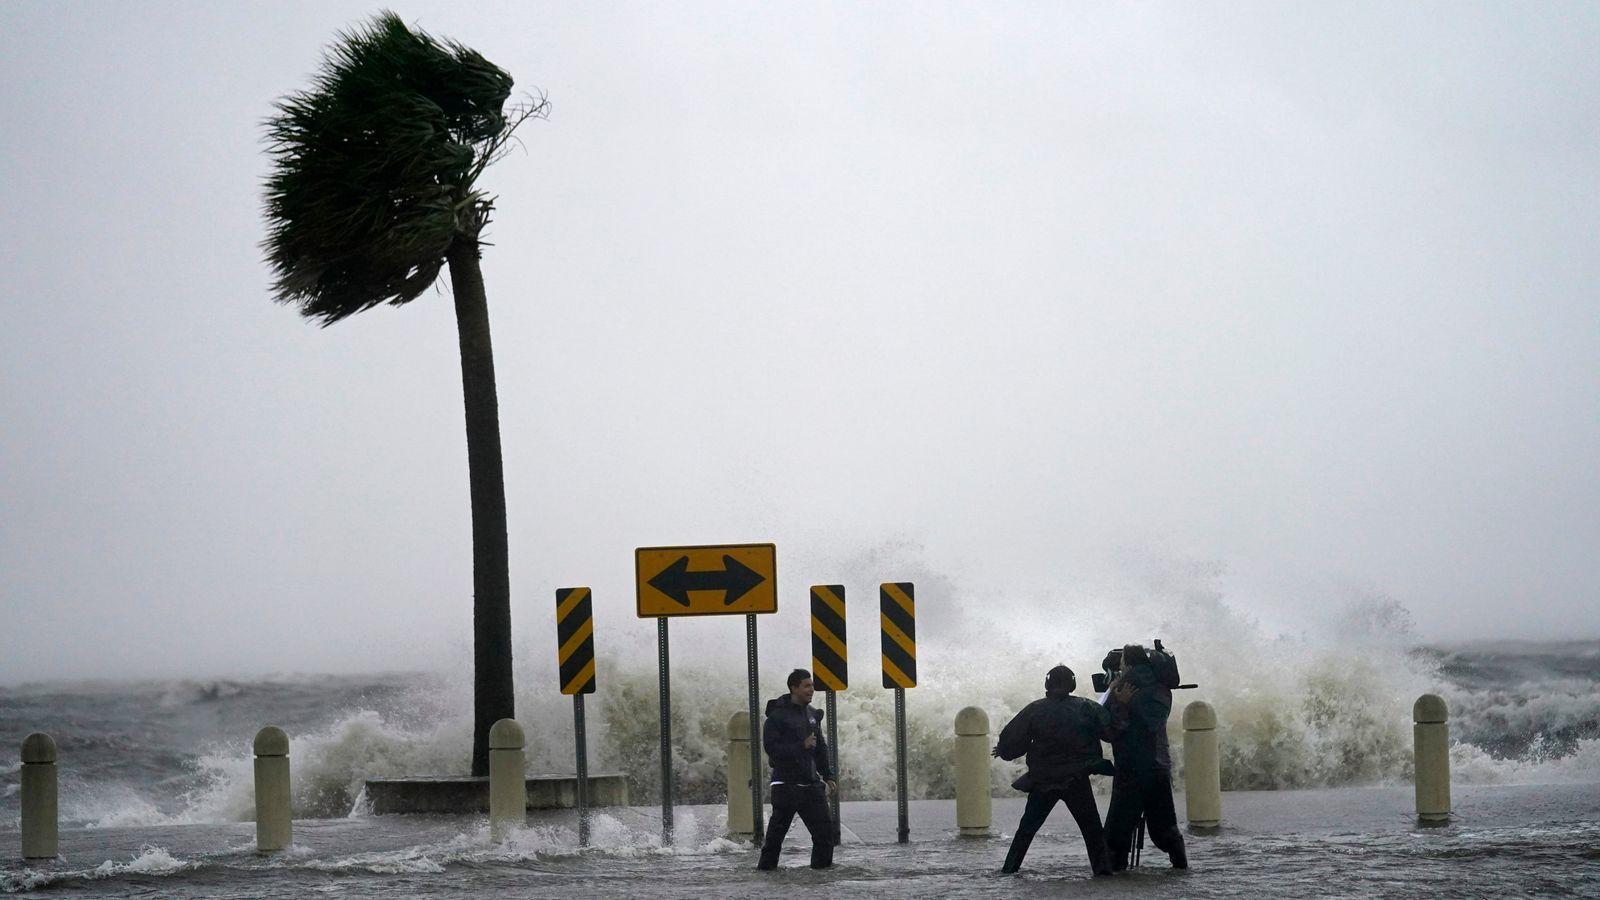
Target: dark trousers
<point>811,802</point>
<point>1147,793</point>
<point>1079,798</point>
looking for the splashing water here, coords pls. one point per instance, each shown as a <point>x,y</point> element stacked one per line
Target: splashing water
<point>1324,709</point>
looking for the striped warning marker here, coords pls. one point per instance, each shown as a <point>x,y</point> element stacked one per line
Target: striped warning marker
<point>897,612</point>
<point>830,664</point>
<point>575,640</point>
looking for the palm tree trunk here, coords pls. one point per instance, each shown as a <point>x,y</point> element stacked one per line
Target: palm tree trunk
<point>493,697</point>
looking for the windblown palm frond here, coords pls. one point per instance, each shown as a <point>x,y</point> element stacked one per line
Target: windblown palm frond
<point>374,167</point>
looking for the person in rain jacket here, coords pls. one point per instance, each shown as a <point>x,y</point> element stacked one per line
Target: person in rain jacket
<point>1143,783</point>
<point>1060,735</point>
<point>801,774</point>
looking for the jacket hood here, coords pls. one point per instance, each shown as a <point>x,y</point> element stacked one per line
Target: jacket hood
<point>783,701</point>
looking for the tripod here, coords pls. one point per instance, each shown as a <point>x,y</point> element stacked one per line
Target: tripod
<point>1138,844</point>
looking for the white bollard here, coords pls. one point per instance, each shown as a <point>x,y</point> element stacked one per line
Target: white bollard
<point>41,821</point>
<point>741,817</point>
<point>1202,769</point>
<point>508,779</point>
<point>274,817</point>
<point>1432,736</point>
<point>974,808</point>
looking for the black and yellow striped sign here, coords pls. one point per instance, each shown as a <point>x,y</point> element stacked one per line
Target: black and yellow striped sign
<point>575,640</point>
<point>830,664</point>
<point>897,612</point>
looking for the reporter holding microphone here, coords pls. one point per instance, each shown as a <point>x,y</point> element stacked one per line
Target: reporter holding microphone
<point>801,776</point>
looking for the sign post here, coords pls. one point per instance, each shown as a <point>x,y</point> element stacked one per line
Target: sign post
<point>575,656</point>
<point>665,686</point>
<point>830,669</point>
<point>756,812</point>
<point>714,580</point>
<point>897,614</point>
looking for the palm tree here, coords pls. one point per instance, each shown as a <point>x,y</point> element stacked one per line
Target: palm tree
<point>373,192</point>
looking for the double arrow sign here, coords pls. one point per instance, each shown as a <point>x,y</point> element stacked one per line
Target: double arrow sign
<point>732,579</point>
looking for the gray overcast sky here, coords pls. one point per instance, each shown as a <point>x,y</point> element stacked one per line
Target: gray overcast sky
<point>1310,292</point>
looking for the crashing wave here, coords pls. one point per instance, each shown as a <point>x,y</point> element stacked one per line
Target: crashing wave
<point>1326,708</point>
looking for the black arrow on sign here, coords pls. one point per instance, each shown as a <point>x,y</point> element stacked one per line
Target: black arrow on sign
<point>676,581</point>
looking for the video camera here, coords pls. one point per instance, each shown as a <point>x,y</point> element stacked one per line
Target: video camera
<point>1162,660</point>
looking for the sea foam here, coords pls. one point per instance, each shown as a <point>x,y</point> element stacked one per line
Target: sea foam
<point>1325,707</point>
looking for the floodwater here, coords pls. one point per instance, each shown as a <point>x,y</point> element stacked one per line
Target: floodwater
<point>1532,840</point>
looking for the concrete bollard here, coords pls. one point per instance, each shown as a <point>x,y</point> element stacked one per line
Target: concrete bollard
<point>274,817</point>
<point>41,822</point>
<point>741,817</point>
<point>1432,735</point>
<point>508,779</point>
<point>1202,769</point>
<point>974,807</point>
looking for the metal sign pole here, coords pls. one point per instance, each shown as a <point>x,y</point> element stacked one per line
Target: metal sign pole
<point>575,661</point>
<point>897,611</point>
<point>900,763</point>
<point>833,762</point>
<point>666,732</point>
<point>583,770</point>
<point>755,731</point>
<point>830,670</point>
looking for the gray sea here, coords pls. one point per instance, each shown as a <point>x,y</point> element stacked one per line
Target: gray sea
<point>156,786</point>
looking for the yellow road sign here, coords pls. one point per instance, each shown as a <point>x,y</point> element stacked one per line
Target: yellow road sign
<point>830,667</point>
<point>898,616</point>
<point>727,580</point>
<point>575,640</point>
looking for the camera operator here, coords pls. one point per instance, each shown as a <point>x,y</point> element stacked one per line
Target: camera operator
<point>1143,781</point>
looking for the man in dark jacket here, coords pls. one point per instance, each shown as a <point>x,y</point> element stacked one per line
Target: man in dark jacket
<point>1143,783</point>
<point>801,775</point>
<point>1061,735</point>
